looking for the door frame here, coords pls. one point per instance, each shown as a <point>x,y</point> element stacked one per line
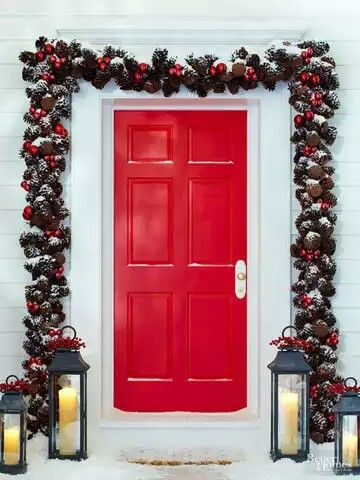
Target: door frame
<point>269,180</point>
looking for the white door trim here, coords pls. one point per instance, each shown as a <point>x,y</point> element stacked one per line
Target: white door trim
<point>269,275</point>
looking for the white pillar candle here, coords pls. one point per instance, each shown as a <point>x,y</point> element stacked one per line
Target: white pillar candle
<point>289,406</point>
<point>67,420</point>
<point>11,445</point>
<point>350,450</point>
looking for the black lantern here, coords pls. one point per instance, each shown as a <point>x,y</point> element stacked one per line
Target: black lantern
<point>12,431</point>
<point>289,404</point>
<point>67,404</point>
<point>347,431</point>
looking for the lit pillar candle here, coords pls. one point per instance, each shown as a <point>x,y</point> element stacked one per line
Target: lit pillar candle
<point>350,450</point>
<point>67,420</point>
<point>11,445</point>
<point>289,406</point>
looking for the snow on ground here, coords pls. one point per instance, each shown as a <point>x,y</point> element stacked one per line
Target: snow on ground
<point>103,464</point>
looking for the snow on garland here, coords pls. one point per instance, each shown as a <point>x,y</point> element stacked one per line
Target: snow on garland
<point>54,71</point>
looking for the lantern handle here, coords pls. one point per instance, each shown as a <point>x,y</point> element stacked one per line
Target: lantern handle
<point>288,328</point>
<point>68,327</point>
<point>350,378</point>
<point>11,376</point>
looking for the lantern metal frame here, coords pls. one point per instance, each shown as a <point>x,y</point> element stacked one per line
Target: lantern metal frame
<point>290,361</point>
<point>12,403</point>
<point>67,361</point>
<point>347,405</point>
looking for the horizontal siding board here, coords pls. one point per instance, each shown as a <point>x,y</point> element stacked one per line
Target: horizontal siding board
<point>12,295</point>
<point>11,123</point>
<point>11,173</point>
<point>11,319</point>
<point>12,344</point>
<point>12,271</point>
<point>10,247</point>
<point>11,365</point>
<point>13,100</point>
<point>11,77</point>
<point>11,221</point>
<point>10,146</point>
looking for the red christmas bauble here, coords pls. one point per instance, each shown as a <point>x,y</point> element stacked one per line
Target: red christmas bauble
<point>57,65</point>
<point>48,233</point>
<point>331,418</point>
<point>58,275</point>
<point>304,77</point>
<point>178,66</point>
<point>100,60</point>
<point>107,60</point>
<point>250,71</point>
<point>254,77</point>
<point>304,54</point>
<point>103,67</point>
<point>315,79</point>
<point>178,73</point>
<point>172,71</point>
<point>310,51</point>
<point>137,77</point>
<point>25,185</point>
<point>302,252</point>
<point>27,212</point>
<point>58,129</point>
<point>317,253</point>
<point>57,233</point>
<point>62,60</point>
<point>309,115</point>
<point>52,59</point>
<point>29,304</point>
<point>60,270</point>
<point>143,67</point>
<point>26,145</point>
<point>40,56</point>
<point>33,150</point>
<point>220,68</point>
<point>313,391</point>
<point>36,307</point>
<point>309,257</point>
<point>318,96</point>
<point>212,71</point>
<point>298,120</point>
<point>48,48</point>
<point>313,149</point>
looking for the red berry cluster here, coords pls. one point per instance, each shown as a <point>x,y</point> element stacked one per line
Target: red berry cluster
<point>103,63</point>
<point>57,62</point>
<point>313,391</point>
<point>27,212</point>
<point>299,120</point>
<point>309,255</point>
<point>139,74</point>
<point>17,386</point>
<point>53,233</point>
<point>35,362</point>
<point>60,130</point>
<point>307,54</point>
<point>37,113</point>
<point>58,341</point>
<point>308,150</point>
<point>250,74</point>
<point>292,342</point>
<point>48,77</point>
<point>176,71</point>
<point>333,339</point>
<point>219,69</point>
<point>316,100</point>
<point>51,160</point>
<point>58,272</point>
<point>47,49</point>
<point>309,78</point>
<point>323,205</point>
<point>306,300</point>
<point>33,307</point>
<point>30,148</point>
<point>25,185</point>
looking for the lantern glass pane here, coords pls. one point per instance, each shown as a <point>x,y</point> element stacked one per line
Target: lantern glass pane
<point>10,439</point>
<point>67,404</point>
<point>292,413</point>
<point>350,440</point>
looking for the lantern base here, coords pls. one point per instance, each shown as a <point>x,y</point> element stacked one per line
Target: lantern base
<point>298,458</point>
<point>13,469</point>
<point>344,470</point>
<point>77,457</point>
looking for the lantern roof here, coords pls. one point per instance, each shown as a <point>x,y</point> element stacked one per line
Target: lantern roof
<point>12,402</point>
<point>349,402</point>
<point>289,361</point>
<point>68,361</point>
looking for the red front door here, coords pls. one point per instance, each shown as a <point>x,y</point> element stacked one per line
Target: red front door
<point>180,227</point>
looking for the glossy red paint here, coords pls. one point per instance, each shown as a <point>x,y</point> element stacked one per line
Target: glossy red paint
<point>180,226</point>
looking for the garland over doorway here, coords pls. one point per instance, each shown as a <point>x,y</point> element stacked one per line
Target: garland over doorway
<point>55,70</point>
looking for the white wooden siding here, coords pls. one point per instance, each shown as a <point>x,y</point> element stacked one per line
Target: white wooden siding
<point>22,21</point>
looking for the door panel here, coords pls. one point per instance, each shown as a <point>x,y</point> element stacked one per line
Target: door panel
<point>179,228</point>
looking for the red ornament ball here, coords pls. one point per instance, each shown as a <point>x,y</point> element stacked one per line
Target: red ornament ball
<point>315,79</point>
<point>304,77</point>
<point>307,150</point>
<point>318,96</point>
<point>313,391</point>
<point>52,59</point>
<point>40,56</point>
<point>26,145</point>
<point>302,252</point>
<point>107,60</point>
<point>220,68</point>
<point>36,307</point>
<point>48,48</point>
<point>298,120</point>
<point>212,71</point>
<point>57,233</point>
<point>310,51</point>
<point>143,67</point>
<point>27,212</point>
<point>29,304</point>
<point>309,115</point>
<point>172,71</point>
<point>309,257</point>
<point>137,77</point>
<point>33,150</point>
<point>317,253</point>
